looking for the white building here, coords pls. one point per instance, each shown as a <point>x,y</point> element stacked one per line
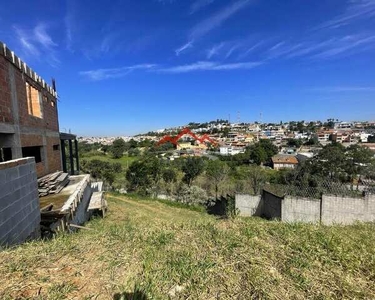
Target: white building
<point>229,150</point>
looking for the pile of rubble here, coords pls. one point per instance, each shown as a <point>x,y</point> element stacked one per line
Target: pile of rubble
<point>52,183</point>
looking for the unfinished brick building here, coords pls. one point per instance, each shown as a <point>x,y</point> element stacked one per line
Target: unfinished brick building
<point>29,125</point>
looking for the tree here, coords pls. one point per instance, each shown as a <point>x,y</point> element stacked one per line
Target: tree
<point>192,167</point>
<point>371,139</point>
<point>116,167</point>
<point>144,175</point>
<point>134,152</point>
<point>169,175</point>
<point>359,160</point>
<point>137,176</point>
<point>300,126</point>
<point>102,170</point>
<point>118,148</point>
<point>217,172</point>
<point>105,148</point>
<point>262,151</point>
<point>294,143</point>
<point>253,174</point>
<point>330,162</point>
<point>313,141</point>
<point>257,154</point>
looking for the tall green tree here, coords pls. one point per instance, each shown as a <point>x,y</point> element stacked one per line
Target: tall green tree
<point>359,160</point>
<point>118,148</point>
<point>217,172</point>
<point>262,151</point>
<point>192,168</point>
<point>330,162</point>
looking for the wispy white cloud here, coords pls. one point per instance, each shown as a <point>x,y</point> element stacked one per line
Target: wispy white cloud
<point>340,89</point>
<point>102,74</point>
<point>217,19</point>
<point>184,47</point>
<point>231,50</point>
<point>214,50</point>
<point>42,37</point>
<point>69,23</point>
<point>283,48</point>
<point>37,43</point>
<point>199,4</point>
<point>26,42</point>
<point>214,21</point>
<point>308,48</point>
<point>355,11</point>
<point>331,48</point>
<point>209,66</point>
<point>251,49</point>
<point>277,46</point>
<point>345,46</point>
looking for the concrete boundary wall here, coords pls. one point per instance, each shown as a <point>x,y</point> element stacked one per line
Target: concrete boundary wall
<point>343,210</point>
<point>272,205</point>
<point>300,210</point>
<point>248,205</point>
<point>19,202</point>
<point>328,210</point>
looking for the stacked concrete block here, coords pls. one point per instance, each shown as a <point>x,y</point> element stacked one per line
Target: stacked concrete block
<point>19,202</point>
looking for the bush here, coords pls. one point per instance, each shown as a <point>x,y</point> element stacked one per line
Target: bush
<point>191,195</point>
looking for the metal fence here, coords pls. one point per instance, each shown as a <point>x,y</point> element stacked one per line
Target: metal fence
<point>326,187</point>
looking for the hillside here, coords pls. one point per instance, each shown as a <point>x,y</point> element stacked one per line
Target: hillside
<point>159,251</point>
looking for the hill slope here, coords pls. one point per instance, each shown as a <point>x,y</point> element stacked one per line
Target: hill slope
<point>160,251</point>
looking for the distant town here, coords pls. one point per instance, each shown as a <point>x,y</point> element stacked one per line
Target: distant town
<point>296,140</point>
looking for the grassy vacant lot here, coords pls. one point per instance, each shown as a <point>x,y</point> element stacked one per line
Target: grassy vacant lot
<point>162,252</point>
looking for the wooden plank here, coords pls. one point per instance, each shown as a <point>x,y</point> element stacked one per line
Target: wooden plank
<point>96,201</point>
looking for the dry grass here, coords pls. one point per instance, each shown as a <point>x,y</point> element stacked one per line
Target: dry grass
<point>150,249</point>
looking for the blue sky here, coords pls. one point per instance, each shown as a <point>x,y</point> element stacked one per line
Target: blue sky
<point>125,67</point>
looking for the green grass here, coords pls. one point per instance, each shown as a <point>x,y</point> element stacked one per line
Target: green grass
<point>147,248</point>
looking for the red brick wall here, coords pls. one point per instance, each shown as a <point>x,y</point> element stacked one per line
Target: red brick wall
<point>50,117</point>
<point>5,100</point>
<point>54,158</point>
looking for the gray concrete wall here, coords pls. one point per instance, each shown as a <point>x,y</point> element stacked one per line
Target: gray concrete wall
<point>19,202</point>
<point>328,210</point>
<point>341,210</point>
<point>248,205</point>
<point>300,210</point>
<point>271,205</point>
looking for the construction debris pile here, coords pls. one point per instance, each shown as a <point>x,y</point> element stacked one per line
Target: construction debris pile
<point>52,183</point>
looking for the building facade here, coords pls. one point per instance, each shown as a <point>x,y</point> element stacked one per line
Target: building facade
<point>29,125</point>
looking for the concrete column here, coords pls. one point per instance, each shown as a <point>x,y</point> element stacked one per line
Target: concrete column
<point>63,156</point>
<point>16,143</point>
<point>77,157</point>
<point>71,157</point>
